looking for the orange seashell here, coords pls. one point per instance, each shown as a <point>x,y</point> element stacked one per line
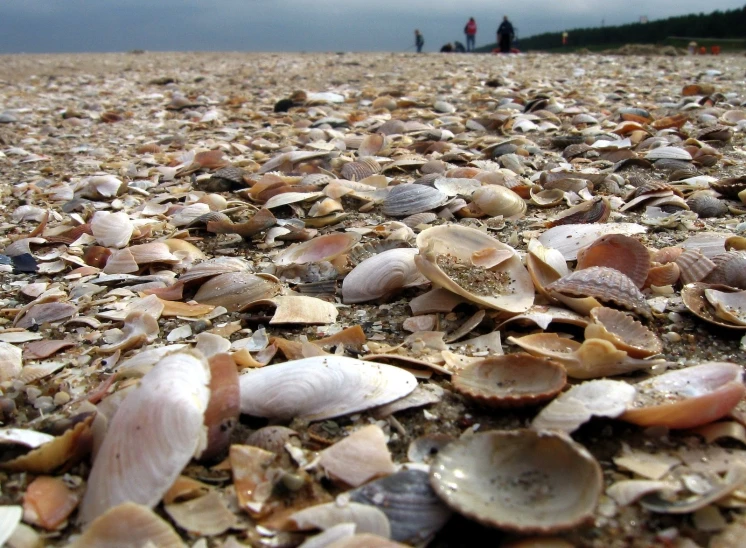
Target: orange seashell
<point>48,502</point>
<point>667,254</point>
<point>210,159</point>
<point>623,253</point>
<point>698,89</point>
<point>694,266</point>
<point>97,256</point>
<point>663,274</point>
<point>148,148</point>
<point>221,415</point>
<point>676,121</point>
<point>635,118</point>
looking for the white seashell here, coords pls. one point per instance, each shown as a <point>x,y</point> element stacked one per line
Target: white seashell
<point>367,519</point>
<point>154,434</point>
<point>358,458</point>
<point>21,436</point>
<point>28,213</point>
<point>112,229</point>
<point>321,387</point>
<point>381,275</point>
<point>730,307</point>
<point>11,361</point>
<point>668,153</point>
<point>569,239</point>
<point>207,515</point>
<point>10,517</point>
<point>139,328</point>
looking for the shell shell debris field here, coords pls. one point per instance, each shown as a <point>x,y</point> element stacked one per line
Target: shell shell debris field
<point>299,308</point>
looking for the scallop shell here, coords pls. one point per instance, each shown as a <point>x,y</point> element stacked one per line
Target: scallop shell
<point>381,275</point>
<point>446,258</point>
<point>662,275</point>
<point>359,170</point>
<point>696,300</point>
<point>321,387</point>
<point>321,248</point>
<point>623,253</point>
<point>730,187</point>
<point>511,380</point>
<point>569,239</point>
<point>112,229</point>
<point>730,269</point>
<point>408,199</point>
<point>156,431</point>
<point>601,283</point>
<point>519,480</point>
<point>623,332</point>
<point>694,266</point>
<point>688,397</point>
<point>236,290</point>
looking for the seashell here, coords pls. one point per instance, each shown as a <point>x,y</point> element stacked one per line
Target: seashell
<point>688,397</point>
<point>381,275</point>
<point>414,511</point>
<point>694,266</point>
<point>48,502</point>
<point>623,332</point>
<point>715,133</point>
<point>596,398</point>
<point>545,266</point>
<point>321,387</point>
<point>730,187</point>
<point>446,258</point>
<point>372,144</point>
<point>419,219</point>
<point>121,261</point>
<point>327,206</point>
<point>662,275</point>
<point>207,515</point>
<point>735,243</point>
<point>358,458</point>
<point>154,434</point>
<point>408,199</point>
<point>569,239</point>
<point>139,328</point>
<point>223,408</point>
<point>252,477</point>
<point>511,380</point>
<point>367,519</point>
<point>592,359</point>
<point>668,153</point>
<point>494,200</point>
<point>623,253</point>
<point>729,306</point>
<point>112,229</point>
<point>213,267</point>
<point>730,269</point>
<point>705,204</point>
<point>10,518</point>
<point>698,303</point>
<point>456,186</point>
<point>102,186</point>
<point>547,198</point>
<point>236,290</point>
<point>40,314</point>
<point>359,170</point>
<point>321,248</point>
<point>519,480</point>
<point>297,309</point>
<point>11,362</point>
<point>287,198</point>
<point>603,284</point>
<point>128,524</point>
<point>406,161</point>
<point>153,252</point>
<point>698,89</point>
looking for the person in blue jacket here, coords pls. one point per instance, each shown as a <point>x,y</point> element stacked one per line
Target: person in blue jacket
<point>505,35</point>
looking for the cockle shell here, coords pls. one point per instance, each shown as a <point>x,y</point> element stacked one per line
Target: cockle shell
<point>236,290</point>
<point>112,229</point>
<point>10,518</point>
<point>359,170</point>
<point>408,199</point>
<point>569,239</point>
<point>156,431</point>
<point>623,332</point>
<point>381,275</point>
<point>694,266</point>
<point>623,253</point>
<point>698,303</point>
<point>321,248</point>
<point>688,397</point>
<point>446,258</point>
<point>511,380</point>
<point>730,269</point>
<point>519,480</point>
<point>321,387</point>
<point>601,283</point>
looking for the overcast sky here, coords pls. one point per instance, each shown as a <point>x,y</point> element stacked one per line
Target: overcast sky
<point>301,25</point>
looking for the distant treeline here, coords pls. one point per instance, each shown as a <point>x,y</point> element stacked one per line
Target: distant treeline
<point>718,24</point>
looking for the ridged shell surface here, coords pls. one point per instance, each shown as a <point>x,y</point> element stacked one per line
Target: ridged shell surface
<point>730,269</point>
<point>694,266</point>
<point>409,199</point>
<point>623,253</point>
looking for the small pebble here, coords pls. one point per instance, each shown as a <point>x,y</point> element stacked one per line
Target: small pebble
<point>61,398</point>
<point>672,337</point>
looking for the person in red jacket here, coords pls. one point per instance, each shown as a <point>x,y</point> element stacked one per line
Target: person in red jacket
<point>471,33</point>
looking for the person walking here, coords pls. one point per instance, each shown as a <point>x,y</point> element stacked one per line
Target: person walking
<point>505,35</point>
<point>471,33</point>
<point>419,40</point>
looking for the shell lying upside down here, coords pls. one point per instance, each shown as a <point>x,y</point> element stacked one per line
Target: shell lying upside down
<point>623,332</point>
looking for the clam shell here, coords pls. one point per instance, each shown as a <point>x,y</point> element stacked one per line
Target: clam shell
<point>696,300</point>
<point>520,480</point>
<point>156,431</point>
<point>414,511</point>
<point>569,239</point>
<point>730,269</point>
<point>668,153</point>
<point>112,229</point>
<point>706,204</point>
<point>604,284</point>
<point>381,275</point>
<point>321,248</point>
<point>408,199</point>
<point>694,266</point>
<point>321,387</point>
<point>594,211</point>
<point>623,253</point>
<point>236,290</point>
<point>688,397</point>
<point>446,259</point>
<point>494,200</point>
<point>623,332</point>
<point>511,380</point>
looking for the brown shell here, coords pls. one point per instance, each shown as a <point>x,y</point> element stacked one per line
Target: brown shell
<point>623,332</point>
<point>595,211</point>
<point>511,380</point>
<point>694,266</point>
<point>605,284</point>
<point>730,187</point>
<point>730,269</point>
<point>663,274</point>
<point>694,299</point>
<point>624,253</point>
<point>667,254</point>
<point>357,171</point>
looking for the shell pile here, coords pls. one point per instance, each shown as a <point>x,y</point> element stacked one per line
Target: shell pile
<point>372,300</point>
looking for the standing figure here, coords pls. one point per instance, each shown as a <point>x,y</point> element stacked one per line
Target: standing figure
<point>419,40</point>
<point>505,35</point>
<point>471,33</point>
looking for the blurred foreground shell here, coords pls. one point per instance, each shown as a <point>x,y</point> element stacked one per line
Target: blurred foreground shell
<point>511,380</point>
<point>156,431</point>
<point>520,480</point>
<point>321,387</point>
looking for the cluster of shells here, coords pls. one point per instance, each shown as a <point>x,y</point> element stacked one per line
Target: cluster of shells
<point>240,311</point>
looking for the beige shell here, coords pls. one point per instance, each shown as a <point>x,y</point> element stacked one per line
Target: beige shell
<point>494,200</point>
<point>446,258</point>
<point>623,253</point>
<point>729,306</point>
<point>688,397</point>
<point>297,309</point>
<point>519,480</point>
<point>730,269</point>
<point>601,283</point>
<point>321,248</point>
<point>11,361</point>
<point>236,290</point>
<point>694,266</point>
<point>382,275</point>
<point>408,199</point>
<point>359,457</point>
<point>511,380</point>
<point>623,332</point>
<point>546,198</point>
<point>695,299</point>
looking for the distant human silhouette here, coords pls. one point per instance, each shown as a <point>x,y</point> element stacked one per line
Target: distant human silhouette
<point>419,40</point>
<point>471,33</point>
<point>505,35</point>
<point>458,47</point>
<point>447,48</point>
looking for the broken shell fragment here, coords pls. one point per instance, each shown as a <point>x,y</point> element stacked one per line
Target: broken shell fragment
<point>221,415</point>
<point>156,431</point>
<point>321,387</point>
<point>715,311</point>
<point>358,458</point>
<point>511,380</point>
<point>381,275</point>
<point>624,332</point>
<point>48,502</point>
<point>519,480</point>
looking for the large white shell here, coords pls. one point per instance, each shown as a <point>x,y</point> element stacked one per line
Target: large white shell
<point>10,517</point>
<point>381,275</point>
<point>569,239</point>
<point>11,361</point>
<point>321,387</point>
<point>154,434</point>
<point>112,229</point>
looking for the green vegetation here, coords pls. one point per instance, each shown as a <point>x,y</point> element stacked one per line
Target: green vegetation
<point>723,28</point>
